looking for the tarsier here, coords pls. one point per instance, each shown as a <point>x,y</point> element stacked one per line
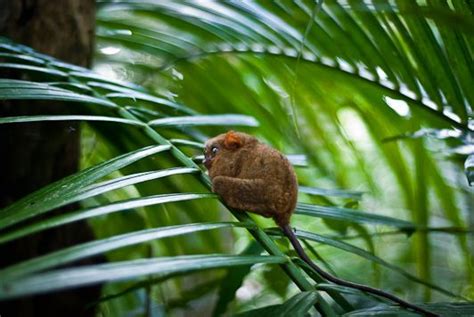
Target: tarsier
<point>251,176</point>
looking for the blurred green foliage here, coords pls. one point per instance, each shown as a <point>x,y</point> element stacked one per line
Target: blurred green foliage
<point>376,96</point>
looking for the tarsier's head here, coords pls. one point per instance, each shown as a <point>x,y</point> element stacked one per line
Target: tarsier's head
<point>224,143</point>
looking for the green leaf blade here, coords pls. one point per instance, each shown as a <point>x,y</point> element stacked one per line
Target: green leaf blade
<point>297,306</point>
<point>100,211</point>
<point>26,90</point>
<point>92,248</point>
<point>349,215</point>
<point>200,120</point>
<point>23,119</point>
<point>126,270</point>
<point>57,194</point>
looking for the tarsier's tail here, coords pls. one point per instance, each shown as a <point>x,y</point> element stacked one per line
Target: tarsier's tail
<point>288,231</point>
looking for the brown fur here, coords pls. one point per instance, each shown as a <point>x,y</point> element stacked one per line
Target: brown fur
<point>252,176</point>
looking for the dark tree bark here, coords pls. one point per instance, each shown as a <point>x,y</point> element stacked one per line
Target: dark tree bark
<point>33,155</point>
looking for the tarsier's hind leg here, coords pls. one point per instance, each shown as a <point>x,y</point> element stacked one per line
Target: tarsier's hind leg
<point>244,194</point>
<point>283,207</point>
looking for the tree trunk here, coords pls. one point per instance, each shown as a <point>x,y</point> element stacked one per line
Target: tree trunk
<point>35,154</point>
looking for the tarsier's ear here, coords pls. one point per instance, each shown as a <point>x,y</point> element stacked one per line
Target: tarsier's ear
<point>232,140</point>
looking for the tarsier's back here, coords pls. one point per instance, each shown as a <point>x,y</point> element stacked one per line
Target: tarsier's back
<point>281,185</point>
<point>252,176</point>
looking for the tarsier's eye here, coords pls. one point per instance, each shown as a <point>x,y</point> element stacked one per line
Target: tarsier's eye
<point>214,150</point>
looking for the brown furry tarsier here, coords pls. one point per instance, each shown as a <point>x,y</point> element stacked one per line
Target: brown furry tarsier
<point>251,176</point>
